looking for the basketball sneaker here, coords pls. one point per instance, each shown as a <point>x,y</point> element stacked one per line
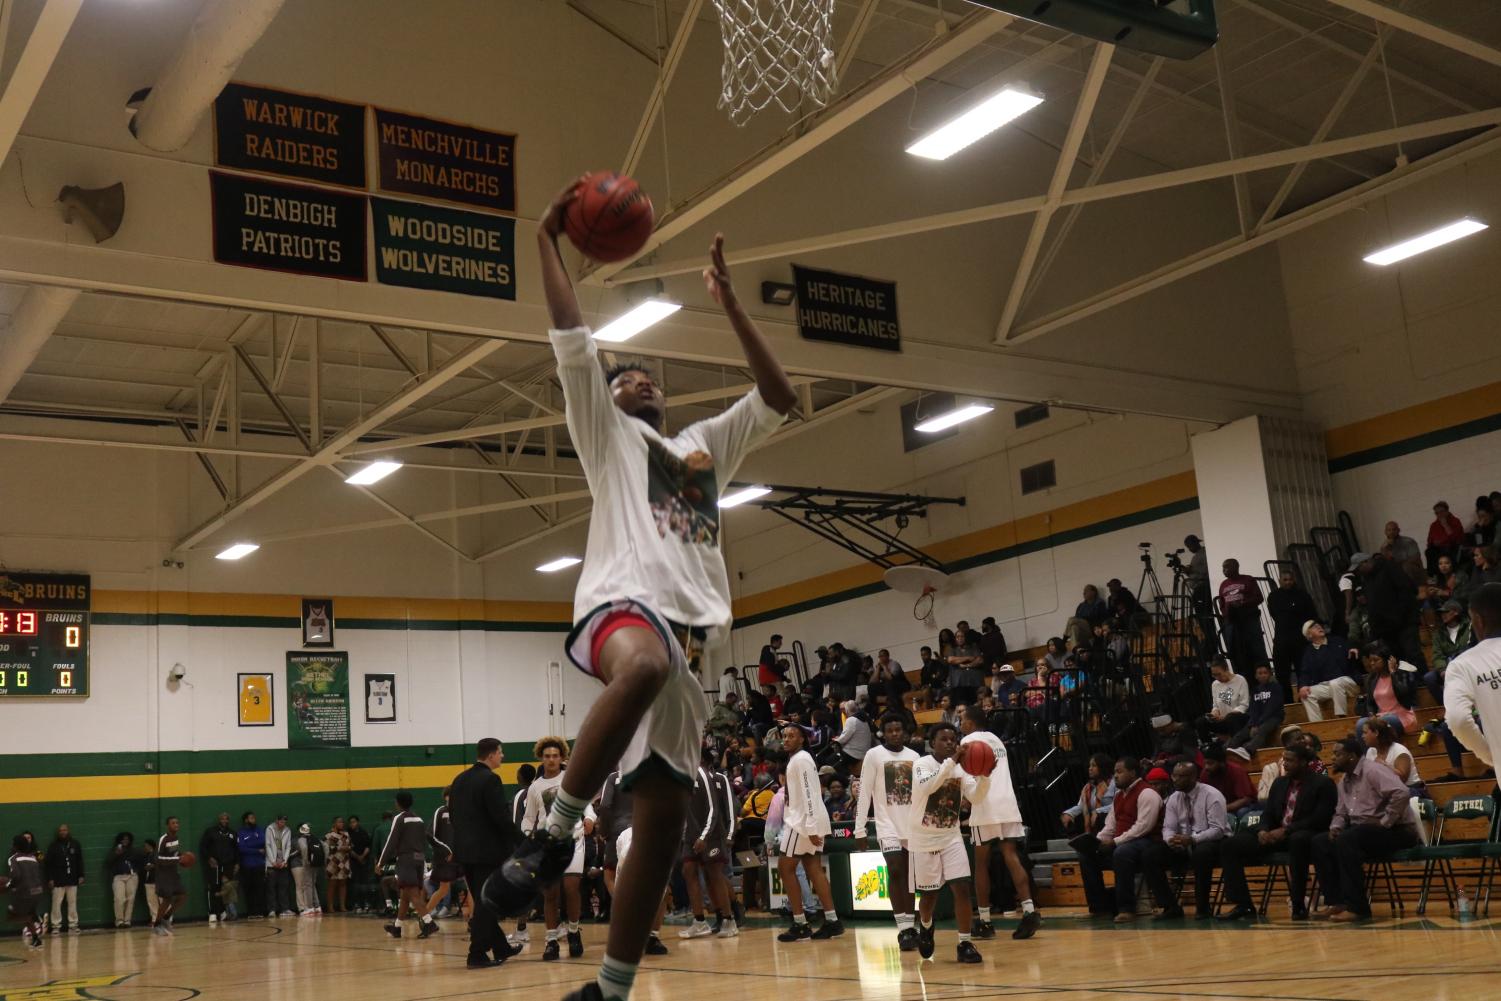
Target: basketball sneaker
<point>588,992</point>
<point>729,929</point>
<point>394,931</point>
<point>550,954</point>
<point>522,937</point>
<point>829,929</point>
<point>655,946</point>
<point>1028,927</point>
<point>925,941</point>
<point>426,928</point>
<point>969,954</point>
<point>906,939</point>
<point>796,933</point>
<point>698,929</point>
<point>537,863</point>
<point>575,944</point>
<point>983,930</point>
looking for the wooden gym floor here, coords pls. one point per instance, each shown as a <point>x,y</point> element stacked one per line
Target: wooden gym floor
<point>334,959</point>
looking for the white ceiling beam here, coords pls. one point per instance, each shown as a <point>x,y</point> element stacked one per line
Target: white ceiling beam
<point>150,446</point>
<point>400,518</point>
<point>1331,117</point>
<point>874,93</point>
<point>1286,226</point>
<point>1068,155</point>
<point>851,44</point>
<point>1423,29</point>
<point>833,412</point>
<point>1232,140</point>
<point>32,321</point>
<point>36,60</point>
<point>477,351</point>
<point>1101,163</point>
<point>666,70</point>
<point>530,537</point>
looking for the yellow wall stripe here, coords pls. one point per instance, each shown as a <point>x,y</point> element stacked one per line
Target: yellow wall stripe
<point>1409,422</point>
<point>352,606</point>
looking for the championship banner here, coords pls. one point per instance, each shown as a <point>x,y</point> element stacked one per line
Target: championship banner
<point>437,159</point>
<point>846,309</point>
<point>450,250</point>
<point>318,693</point>
<point>294,135</point>
<point>288,227</point>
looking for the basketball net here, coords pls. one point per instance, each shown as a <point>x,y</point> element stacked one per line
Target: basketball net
<point>775,50</point>
<point>922,608</point>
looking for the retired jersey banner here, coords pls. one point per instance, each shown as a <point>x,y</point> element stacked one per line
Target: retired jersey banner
<point>427,246</point>
<point>288,227</point>
<point>846,309</point>
<point>294,135</point>
<point>437,159</point>
<point>318,693</point>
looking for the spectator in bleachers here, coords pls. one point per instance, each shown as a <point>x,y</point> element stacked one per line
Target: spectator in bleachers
<point>1042,687</point>
<point>1482,533</point>
<point>856,737</point>
<point>1486,570</point>
<point>1194,823</point>
<point>792,703</point>
<point>1371,821</point>
<point>1324,673</point>
<point>992,643</point>
<point>1132,824</point>
<point>1449,583</point>
<point>725,720</point>
<point>1229,702</point>
<point>1125,611</point>
<point>891,678</point>
<point>1055,652</point>
<point>965,663</point>
<point>932,678</point>
<point>1299,806</point>
<point>1383,743</point>
<point>1111,648</point>
<point>1268,709</point>
<point>1289,606</point>
<point>1092,609</point>
<point>1390,685</point>
<point>760,715</point>
<point>1230,778</point>
<point>1240,598</point>
<point>1198,573</point>
<point>773,669</point>
<point>1445,536</point>
<point>844,671</point>
<point>1095,798</point>
<point>1401,549</point>
<point>837,801</point>
<point>819,679</point>
<point>1008,691</point>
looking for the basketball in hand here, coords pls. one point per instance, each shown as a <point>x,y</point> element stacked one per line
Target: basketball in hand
<point>187,860</point>
<point>977,758</point>
<point>610,219</point>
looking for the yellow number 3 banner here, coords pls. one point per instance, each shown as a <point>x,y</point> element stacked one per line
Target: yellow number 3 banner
<point>256,707</point>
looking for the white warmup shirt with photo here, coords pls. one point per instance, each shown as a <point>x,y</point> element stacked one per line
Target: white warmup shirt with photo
<point>933,835</point>
<point>653,535</point>
<point>539,797</point>
<point>886,791</point>
<point>996,815</point>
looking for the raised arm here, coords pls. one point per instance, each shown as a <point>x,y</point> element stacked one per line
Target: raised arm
<point>562,304</point>
<point>776,389</point>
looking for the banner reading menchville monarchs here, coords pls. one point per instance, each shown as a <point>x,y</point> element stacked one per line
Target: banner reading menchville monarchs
<point>318,694</point>
<point>438,159</point>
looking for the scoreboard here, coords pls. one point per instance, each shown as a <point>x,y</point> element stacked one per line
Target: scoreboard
<point>44,635</point>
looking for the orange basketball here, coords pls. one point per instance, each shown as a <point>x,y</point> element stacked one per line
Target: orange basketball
<point>187,860</point>
<point>977,758</point>
<point>611,218</point>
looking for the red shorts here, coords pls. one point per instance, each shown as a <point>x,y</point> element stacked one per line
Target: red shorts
<point>625,618</point>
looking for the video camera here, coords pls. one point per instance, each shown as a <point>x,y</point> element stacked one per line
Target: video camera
<point>1175,562</point>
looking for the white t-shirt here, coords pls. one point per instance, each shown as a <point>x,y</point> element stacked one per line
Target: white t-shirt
<point>654,530</point>
<point>933,823</point>
<point>886,790</point>
<point>998,806</point>
<point>1472,684</point>
<point>804,811</point>
<point>1393,754</point>
<point>539,797</point>
<point>1233,696</point>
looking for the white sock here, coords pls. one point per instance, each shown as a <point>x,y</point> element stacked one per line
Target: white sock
<point>963,937</point>
<point>1027,907</point>
<point>397,922</point>
<point>984,914</point>
<point>573,927</point>
<point>616,978</point>
<point>799,919</point>
<point>553,934</point>
<point>903,922</point>
<point>564,815</point>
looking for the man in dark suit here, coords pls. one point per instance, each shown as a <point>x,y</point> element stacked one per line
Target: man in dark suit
<point>483,835</point>
<point>1300,806</point>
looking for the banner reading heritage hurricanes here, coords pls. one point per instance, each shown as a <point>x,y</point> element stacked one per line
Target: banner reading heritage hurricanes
<point>318,694</point>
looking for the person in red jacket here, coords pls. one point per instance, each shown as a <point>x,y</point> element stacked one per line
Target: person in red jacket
<point>1445,536</point>
<point>1240,601</point>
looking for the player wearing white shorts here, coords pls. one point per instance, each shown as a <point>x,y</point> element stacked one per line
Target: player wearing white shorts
<point>805,824</point>
<point>652,590</point>
<point>997,817</point>
<point>934,841</point>
<point>553,752</point>
<point>886,791</point>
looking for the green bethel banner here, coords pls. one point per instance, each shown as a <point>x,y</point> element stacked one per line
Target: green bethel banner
<point>318,692</point>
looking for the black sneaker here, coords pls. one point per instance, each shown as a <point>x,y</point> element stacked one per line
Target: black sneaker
<point>906,939</point>
<point>968,953</point>
<point>925,941</point>
<point>829,929</point>
<point>551,952</point>
<point>537,863</point>
<point>575,944</point>
<point>654,946</point>
<point>393,931</point>
<point>1028,925</point>
<point>588,992</point>
<point>796,933</point>
<point>427,928</point>
<point>983,929</point>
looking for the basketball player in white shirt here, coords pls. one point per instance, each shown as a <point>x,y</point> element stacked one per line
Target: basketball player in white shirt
<point>886,790</point>
<point>805,825</point>
<point>937,847</point>
<point>651,592</point>
<point>553,753</point>
<point>1472,681</point>
<point>997,818</point>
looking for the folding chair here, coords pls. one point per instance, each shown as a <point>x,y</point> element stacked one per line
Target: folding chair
<point>1440,858</point>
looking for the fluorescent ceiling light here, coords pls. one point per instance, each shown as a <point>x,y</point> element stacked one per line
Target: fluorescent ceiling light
<point>956,416</point>
<point>623,328</point>
<point>238,551</point>
<point>372,473</point>
<point>1418,244</point>
<point>975,124</point>
<point>737,497</point>
<point>561,563</point>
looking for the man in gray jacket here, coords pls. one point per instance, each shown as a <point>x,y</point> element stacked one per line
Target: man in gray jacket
<point>279,889</point>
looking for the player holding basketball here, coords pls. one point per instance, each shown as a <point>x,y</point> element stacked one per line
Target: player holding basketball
<point>997,817</point>
<point>647,598</point>
<point>938,783</point>
<point>169,892</point>
<point>886,788</point>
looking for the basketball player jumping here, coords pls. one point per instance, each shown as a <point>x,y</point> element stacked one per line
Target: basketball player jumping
<point>652,590</point>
